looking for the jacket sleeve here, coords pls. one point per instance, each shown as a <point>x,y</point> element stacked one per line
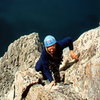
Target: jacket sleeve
<point>38,66</point>
<point>47,73</point>
<point>45,66</point>
<point>42,65</point>
<point>66,42</point>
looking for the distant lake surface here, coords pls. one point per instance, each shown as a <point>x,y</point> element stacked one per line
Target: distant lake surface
<point>60,18</point>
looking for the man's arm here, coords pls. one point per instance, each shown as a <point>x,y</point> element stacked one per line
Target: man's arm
<point>45,65</point>
<point>42,65</point>
<point>66,42</point>
<point>47,73</point>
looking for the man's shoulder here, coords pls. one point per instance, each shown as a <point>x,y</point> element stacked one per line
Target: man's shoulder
<point>67,40</point>
<point>44,53</point>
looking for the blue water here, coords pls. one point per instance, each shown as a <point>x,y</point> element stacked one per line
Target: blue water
<point>60,18</point>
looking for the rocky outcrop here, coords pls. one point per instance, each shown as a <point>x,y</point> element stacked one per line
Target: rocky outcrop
<point>85,74</point>
<point>81,81</point>
<point>21,55</point>
<point>24,80</point>
<point>28,87</point>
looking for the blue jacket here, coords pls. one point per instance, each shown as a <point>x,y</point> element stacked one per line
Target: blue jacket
<point>43,62</point>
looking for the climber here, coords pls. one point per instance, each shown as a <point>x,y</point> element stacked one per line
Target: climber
<point>51,57</point>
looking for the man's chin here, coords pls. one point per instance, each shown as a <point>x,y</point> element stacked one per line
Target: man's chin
<point>51,53</point>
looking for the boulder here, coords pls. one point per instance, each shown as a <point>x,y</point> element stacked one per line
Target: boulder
<point>85,74</point>
<point>82,77</point>
<point>21,55</point>
<point>27,86</point>
<point>24,80</point>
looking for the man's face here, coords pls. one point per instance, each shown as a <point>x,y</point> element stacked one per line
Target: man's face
<point>51,49</point>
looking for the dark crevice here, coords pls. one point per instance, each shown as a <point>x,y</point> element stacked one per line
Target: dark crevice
<point>24,94</point>
<point>14,93</point>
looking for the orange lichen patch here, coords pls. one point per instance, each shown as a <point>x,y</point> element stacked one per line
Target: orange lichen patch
<point>97,65</point>
<point>97,69</point>
<point>88,71</point>
<point>83,99</point>
<point>97,99</point>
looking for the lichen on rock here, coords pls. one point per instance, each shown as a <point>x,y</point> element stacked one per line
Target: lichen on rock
<point>21,55</point>
<point>20,81</point>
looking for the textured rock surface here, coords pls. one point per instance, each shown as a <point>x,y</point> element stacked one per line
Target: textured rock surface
<point>56,93</point>
<point>28,87</point>
<point>22,89</point>
<point>23,81</point>
<point>82,78</point>
<point>21,55</point>
<point>85,74</point>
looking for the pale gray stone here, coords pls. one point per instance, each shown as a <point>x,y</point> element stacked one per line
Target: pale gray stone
<point>20,81</point>
<point>21,55</point>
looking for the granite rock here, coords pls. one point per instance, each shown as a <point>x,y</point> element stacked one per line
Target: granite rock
<point>21,55</point>
<point>81,78</point>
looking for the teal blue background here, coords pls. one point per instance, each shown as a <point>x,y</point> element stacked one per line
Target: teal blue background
<point>60,18</point>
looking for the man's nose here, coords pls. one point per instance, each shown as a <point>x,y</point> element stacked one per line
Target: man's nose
<point>51,49</point>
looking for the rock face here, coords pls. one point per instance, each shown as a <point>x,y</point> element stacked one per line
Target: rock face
<point>85,74</point>
<point>21,55</point>
<point>82,78</point>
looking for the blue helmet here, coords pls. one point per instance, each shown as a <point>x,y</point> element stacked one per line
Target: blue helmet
<point>49,40</point>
